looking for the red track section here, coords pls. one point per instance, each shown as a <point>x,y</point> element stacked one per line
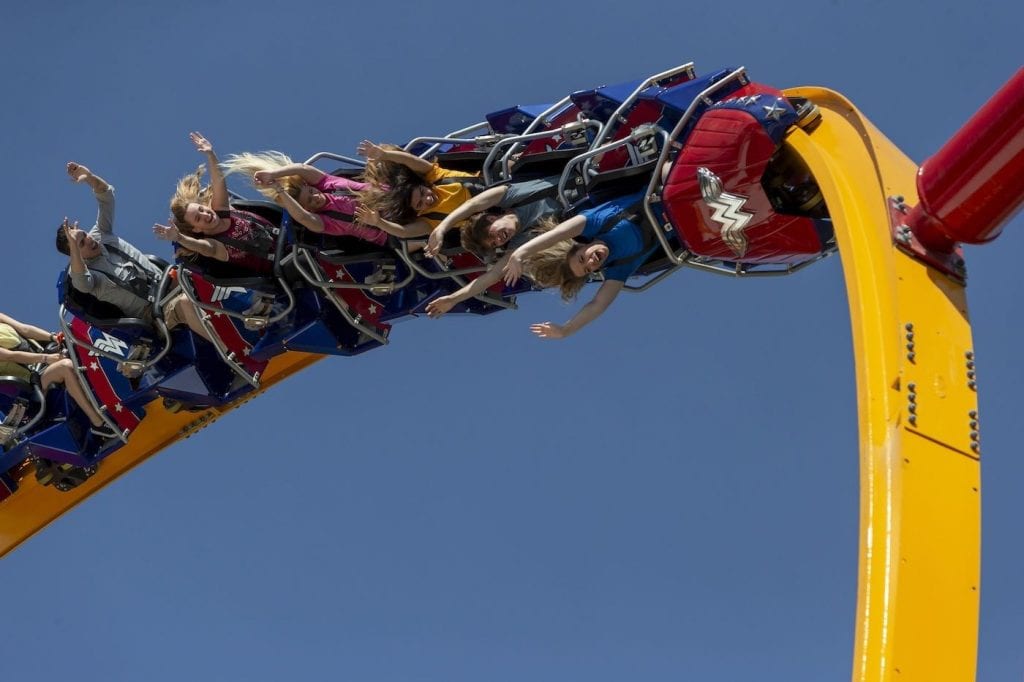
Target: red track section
<point>976,181</point>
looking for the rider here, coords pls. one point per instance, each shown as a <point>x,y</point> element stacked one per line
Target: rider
<point>103,264</point>
<point>22,359</point>
<point>618,244</point>
<point>410,196</point>
<point>523,207</point>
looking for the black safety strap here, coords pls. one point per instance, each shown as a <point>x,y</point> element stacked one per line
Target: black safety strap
<point>471,183</point>
<point>141,284</point>
<point>266,237</point>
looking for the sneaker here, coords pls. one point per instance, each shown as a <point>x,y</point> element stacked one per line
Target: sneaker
<point>104,432</point>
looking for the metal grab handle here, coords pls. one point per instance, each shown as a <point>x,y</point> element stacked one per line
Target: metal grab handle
<point>430,151</point>
<point>638,133</point>
<point>517,139</point>
<point>616,116</point>
<point>352,161</point>
<point>542,119</point>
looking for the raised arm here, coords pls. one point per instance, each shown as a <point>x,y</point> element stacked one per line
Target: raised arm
<point>481,202</point>
<point>573,227</point>
<point>309,174</point>
<point>369,216</point>
<point>79,173</point>
<point>439,306</point>
<point>375,152</point>
<point>587,314</point>
<point>210,248</point>
<point>103,191</point>
<point>310,221</point>
<point>81,277</point>
<point>27,331</point>
<point>218,185</point>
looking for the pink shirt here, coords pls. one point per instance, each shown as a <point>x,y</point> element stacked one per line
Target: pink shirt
<point>337,214</point>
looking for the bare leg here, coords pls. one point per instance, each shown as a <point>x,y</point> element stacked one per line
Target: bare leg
<point>63,372</point>
<point>180,310</point>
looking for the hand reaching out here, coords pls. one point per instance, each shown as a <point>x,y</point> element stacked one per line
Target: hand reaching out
<point>74,235</point>
<point>168,233</point>
<point>370,150</point>
<point>263,178</point>
<point>367,215</point>
<point>513,269</point>
<point>77,172</point>
<point>202,144</point>
<point>434,242</point>
<point>439,306</point>
<point>548,330</point>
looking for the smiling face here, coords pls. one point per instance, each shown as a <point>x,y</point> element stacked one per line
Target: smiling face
<point>311,199</point>
<point>201,218</point>
<point>423,197</point>
<point>501,229</point>
<point>587,258</point>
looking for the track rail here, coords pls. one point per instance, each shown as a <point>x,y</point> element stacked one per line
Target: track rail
<point>920,501</point>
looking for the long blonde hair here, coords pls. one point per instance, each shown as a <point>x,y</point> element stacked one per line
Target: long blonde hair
<point>190,190</point>
<point>249,163</point>
<point>550,267</point>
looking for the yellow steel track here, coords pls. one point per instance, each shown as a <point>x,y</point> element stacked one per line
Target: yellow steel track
<point>917,603</point>
<point>33,506</point>
<point>920,502</point>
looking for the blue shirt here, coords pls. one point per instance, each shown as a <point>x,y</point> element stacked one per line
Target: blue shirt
<point>625,239</point>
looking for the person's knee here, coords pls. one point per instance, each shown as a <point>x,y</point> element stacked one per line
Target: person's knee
<point>58,372</point>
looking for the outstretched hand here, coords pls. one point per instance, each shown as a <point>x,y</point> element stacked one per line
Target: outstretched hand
<point>168,233</point>
<point>74,236</point>
<point>367,216</point>
<point>548,330</point>
<point>203,145</point>
<point>263,178</point>
<point>77,172</point>
<point>434,242</point>
<point>513,269</point>
<point>370,150</point>
<point>439,306</point>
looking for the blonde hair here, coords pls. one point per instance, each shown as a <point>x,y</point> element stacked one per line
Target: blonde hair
<point>550,267</point>
<point>249,163</point>
<point>190,190</point>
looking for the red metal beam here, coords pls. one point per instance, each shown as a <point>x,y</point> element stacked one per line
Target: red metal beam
<point>975,183</point>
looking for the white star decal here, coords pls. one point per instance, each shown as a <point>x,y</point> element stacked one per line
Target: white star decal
<point>373,310</point>
<point>93,366</point>
<point>774,111</point>
<point>340,273</point>
<point>246,350</point>
<point>118,407</point>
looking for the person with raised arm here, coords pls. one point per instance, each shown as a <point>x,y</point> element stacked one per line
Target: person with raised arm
<point>101,263</point>
<point>410,195</point>
<point>205,224</point>
<point>317,201</point>
<point>524,206</point>
<point>21,358</point>
<point>618,244</point>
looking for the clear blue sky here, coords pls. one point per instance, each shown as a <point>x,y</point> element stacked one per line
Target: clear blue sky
<point>671,494</point>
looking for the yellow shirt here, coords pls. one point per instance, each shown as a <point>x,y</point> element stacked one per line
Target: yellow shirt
<point>10,340</point>
<point>449,196</point>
